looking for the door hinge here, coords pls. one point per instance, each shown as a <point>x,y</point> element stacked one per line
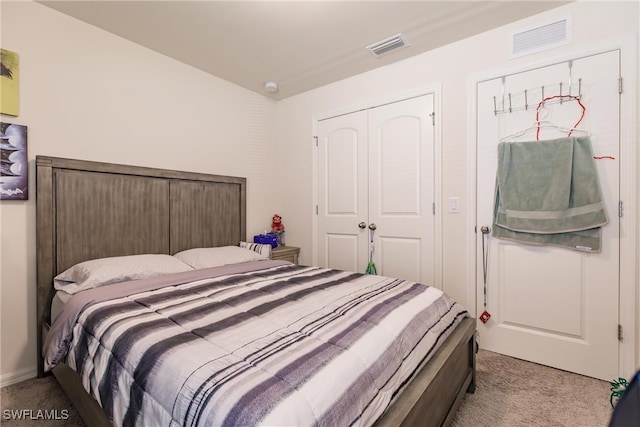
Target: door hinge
<point>316,209</point>
<point>620,85</point>
<point>620,337</point>
<point>433,118</point>
<point>433,208</point>
<point>315,138</point>
<point>620,208</point>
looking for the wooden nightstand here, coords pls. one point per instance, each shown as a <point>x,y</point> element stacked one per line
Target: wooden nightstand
<point>286,253</point>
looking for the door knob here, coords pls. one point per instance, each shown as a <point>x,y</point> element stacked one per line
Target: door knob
<point>372,226</point>
<point>362,225</point>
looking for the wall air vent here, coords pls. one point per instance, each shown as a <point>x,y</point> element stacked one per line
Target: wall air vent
<point>540,38</point>
<point>387,45</point>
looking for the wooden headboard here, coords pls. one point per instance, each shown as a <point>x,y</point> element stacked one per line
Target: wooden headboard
<point>87,210</point>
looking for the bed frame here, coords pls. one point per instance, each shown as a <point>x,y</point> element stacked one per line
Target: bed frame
<point>88,210</point>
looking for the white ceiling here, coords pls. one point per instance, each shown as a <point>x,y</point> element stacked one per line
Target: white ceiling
<point>301,44</point>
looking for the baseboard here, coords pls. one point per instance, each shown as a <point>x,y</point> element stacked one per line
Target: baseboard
<point>18,376</point>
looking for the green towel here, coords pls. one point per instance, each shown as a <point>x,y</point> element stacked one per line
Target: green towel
<point>548,193</point>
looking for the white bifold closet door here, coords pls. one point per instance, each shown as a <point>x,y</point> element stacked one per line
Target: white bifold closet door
<point>550,305</point>
<point>376,168</point>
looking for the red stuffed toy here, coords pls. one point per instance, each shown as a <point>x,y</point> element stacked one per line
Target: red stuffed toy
<point>276,223</point>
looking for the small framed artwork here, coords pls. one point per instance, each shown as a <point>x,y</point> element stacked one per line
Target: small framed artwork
<point>13,162</point>
<point>9,83</point>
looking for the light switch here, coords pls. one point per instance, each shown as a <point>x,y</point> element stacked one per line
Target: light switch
<point>454,205</point>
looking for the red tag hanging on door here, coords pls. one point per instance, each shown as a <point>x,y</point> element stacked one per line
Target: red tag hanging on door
<point>484,317</point>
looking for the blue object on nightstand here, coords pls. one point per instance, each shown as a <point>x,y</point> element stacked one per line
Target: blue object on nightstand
<point>266,239</point>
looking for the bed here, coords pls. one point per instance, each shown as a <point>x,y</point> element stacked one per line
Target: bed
<point>93,210</point>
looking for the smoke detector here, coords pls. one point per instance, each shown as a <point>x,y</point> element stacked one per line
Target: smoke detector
<point>387,45</point>
<point>271,87</point>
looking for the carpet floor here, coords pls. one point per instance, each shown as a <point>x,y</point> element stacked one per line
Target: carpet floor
<point>509,393</point>
<point>515,393</point>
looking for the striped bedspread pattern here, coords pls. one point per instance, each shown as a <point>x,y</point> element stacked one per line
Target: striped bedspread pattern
<point>284,345</point>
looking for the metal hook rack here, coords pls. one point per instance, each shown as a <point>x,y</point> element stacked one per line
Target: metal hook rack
<point>510,108</point>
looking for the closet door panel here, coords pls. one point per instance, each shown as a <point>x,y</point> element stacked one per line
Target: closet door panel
<point>401,188</point>
<point>343,192</point>
<point>398,172</point>
<point>342,252</point>
<point>400,257</point>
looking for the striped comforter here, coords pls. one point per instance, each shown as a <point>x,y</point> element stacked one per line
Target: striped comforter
<point>267,343</point>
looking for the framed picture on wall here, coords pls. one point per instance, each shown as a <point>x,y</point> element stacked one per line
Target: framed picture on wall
<point>9,83</point>
<point>13,162</point>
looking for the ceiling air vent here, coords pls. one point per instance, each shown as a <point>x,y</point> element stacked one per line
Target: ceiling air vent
<point>541,38</point>
<point>387,45</point>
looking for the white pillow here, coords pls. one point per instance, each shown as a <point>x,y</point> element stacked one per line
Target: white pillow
<point>261,248</point>
<point>104,271</point>
<point>214,257</point>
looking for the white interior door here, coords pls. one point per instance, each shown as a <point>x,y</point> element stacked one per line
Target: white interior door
<point>376,167</point>
<point>343,192</point>
<point>401,188</point>
<point>553,306</point>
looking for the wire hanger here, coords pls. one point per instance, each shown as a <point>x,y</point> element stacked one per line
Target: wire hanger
<point>541,123</point>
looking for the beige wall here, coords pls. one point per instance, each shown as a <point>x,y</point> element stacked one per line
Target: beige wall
<point>453,67</point>
<point>87,94</point>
